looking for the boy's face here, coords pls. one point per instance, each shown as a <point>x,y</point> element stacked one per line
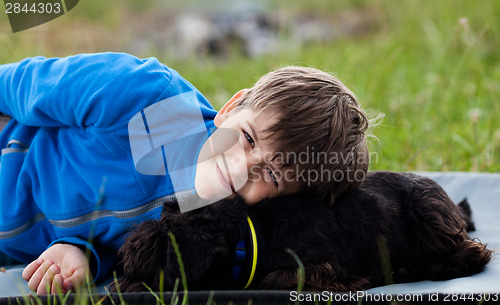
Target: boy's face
<point>244,166</point>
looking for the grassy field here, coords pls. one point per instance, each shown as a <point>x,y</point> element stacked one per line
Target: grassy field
<point>432,67</point>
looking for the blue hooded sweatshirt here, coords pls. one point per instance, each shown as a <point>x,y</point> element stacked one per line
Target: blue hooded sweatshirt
<point>68,172</point>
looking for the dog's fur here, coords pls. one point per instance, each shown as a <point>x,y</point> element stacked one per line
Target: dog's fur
<point>394,228</point>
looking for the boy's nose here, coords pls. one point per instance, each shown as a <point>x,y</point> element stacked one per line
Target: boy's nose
<point>237,161</point>
<point>243,161</point>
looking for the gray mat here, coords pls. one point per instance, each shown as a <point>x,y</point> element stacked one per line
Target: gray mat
<point>483,193</point>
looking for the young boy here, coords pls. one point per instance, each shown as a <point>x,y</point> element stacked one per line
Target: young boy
<point>88,152</point>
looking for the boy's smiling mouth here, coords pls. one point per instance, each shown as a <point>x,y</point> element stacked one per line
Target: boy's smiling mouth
<point>224,179</point>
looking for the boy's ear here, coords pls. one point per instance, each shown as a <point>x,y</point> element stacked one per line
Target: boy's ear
<point>230,105</point>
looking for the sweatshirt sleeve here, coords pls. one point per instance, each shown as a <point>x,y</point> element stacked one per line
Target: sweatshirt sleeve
<point>84,90</point>
<point>102,259</point>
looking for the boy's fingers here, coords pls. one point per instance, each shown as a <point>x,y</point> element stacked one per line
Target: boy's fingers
<point>45,285</point>
<point>57,284</point>
<point>31,268</point>
<point>75,280</point>
<point>36,277</point>
<point>68,285</point>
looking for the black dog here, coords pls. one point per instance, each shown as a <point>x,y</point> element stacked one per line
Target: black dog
<point>395,228</point>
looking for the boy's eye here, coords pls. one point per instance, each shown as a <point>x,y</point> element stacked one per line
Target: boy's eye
<point>273,177</point>
<point>249,138</point>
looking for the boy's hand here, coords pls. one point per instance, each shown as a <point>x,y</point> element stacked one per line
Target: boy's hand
<point>61,267</point>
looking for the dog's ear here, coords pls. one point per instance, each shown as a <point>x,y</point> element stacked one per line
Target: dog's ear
<point>206,239</point>
<point>318,277</point>
<point>144,255</point>
<point>203,237</point>
<point>204,253</point>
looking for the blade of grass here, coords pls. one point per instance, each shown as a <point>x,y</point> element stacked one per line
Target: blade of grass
<point>66,296</point>
<point>102,300</point>
<point>122,301</point>
<point>330,300</point>
<point>300,272</point>
<point>360,300</point>
<point>385,260</point>
<point>181,267</point>
<point>210,297</point>
<point>174,292</point>
<point>162,282</point>
<point>89,290</point>
<point>176,300</point>
<point>109,295</point>
<point>48,294</point>
<point>158,300</point>
<point>60,294</point>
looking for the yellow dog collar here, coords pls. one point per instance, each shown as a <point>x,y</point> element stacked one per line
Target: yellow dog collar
<point>254,252</point>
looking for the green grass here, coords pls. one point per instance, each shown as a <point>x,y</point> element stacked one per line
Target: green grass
<point>432,67</point>
<point>435,79</point>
